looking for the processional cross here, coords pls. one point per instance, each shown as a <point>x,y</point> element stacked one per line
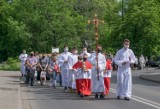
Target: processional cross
<point>96,22</point>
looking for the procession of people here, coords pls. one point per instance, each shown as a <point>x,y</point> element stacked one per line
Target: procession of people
<point>82,73</point>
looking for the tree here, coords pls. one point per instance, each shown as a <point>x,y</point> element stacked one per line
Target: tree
<point>14,34</point>
<point>38,25</point>
<point>140,24</point>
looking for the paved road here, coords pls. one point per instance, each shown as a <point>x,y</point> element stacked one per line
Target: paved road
<point>146,95</point>
<point>9,90</point>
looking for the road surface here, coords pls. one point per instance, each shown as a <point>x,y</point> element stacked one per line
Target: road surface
<point>146,95</point>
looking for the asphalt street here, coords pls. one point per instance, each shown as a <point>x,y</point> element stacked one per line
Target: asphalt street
<point>146,95</point>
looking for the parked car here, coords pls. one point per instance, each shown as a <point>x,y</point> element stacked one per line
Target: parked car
<point>155,63</point>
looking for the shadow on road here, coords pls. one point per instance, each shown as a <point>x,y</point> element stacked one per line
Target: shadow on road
<point>49,93</point>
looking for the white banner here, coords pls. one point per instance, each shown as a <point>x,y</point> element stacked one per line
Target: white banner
<point>55,50</point>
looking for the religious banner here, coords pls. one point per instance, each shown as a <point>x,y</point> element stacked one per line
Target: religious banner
<point>55,50</point>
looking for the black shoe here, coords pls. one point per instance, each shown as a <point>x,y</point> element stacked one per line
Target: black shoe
<point>81,95</point>
<point>78,93</point>
<point>101,96</point>
<point>118,97</point>
<point>127,98</point>
<point>32,84</point>
<point>65,88</point>
<point>96,96</point>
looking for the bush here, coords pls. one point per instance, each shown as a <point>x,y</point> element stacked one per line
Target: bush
<point>11,64</point>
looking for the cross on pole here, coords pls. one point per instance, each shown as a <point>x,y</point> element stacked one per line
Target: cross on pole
<point>96,22</point>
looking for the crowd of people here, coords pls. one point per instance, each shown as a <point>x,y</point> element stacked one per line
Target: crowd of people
<point>141,63</point>
<point>84,73</point>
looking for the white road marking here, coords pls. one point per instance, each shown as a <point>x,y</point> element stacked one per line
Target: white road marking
<point>142,100</point>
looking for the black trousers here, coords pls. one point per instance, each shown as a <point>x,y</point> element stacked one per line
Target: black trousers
<point>60,79</point>
<point>38,75</point>
<point>30,76</point>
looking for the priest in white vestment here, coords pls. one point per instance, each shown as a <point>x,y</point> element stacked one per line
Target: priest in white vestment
<point>23,58</point>
<point>63,61</point>
<point>123,59</point>
<point>97,72</point>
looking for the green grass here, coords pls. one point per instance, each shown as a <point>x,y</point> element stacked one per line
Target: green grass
<point>10,65</point>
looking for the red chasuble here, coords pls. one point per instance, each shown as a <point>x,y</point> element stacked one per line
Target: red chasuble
<point>83,79</point>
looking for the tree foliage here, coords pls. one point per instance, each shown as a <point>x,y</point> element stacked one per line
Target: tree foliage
<point>39,25</point>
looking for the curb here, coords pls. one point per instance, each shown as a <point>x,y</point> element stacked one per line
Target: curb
<point>144,77</point>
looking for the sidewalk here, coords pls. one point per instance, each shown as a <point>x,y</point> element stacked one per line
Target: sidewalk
<point>151,75</point>
<point>10,97</point>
